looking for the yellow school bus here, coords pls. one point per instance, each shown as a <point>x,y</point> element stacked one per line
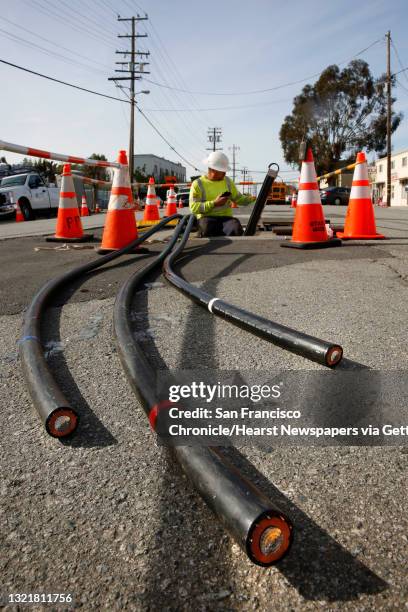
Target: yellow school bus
<point>277,193</point>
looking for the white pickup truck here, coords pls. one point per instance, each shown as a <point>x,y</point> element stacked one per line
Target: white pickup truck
<point>30,191</point>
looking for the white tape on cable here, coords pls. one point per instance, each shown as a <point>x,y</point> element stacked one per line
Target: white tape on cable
<point>211,303</point>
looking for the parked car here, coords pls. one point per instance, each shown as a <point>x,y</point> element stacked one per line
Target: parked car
<point>30,191</point>
<point>335,195</point>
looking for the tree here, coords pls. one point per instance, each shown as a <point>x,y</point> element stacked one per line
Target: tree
<point>46,169</point>
<point>342,113</point>
<point>140,176</point>
<point>95,172</point>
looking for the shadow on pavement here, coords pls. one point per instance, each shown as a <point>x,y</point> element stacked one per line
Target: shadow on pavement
<point>317,566</point>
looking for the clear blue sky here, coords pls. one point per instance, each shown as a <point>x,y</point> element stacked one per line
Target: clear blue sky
<point>213,47</point>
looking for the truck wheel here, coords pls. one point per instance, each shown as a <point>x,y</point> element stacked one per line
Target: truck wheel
<point>26,209</point>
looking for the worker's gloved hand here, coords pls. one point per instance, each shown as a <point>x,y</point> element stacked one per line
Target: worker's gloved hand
<point>221,200</point>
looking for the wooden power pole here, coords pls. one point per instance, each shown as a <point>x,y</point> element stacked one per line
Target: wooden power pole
<point>389,110</point>
<point>133,68</point>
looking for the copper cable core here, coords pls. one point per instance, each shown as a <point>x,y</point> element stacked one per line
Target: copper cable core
<point>62,422</point>
<point>334,355</point>
<point>269,540</point>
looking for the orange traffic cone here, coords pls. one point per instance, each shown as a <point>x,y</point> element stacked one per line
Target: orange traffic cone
<point>309,230</point>
<point>171,205</point>
<point>294,200</point>
<point>120,225</point>
<point>151,212</point>
<point>234,205</point>
<point>19,214</point>
<point>97,209</point>
<point>69,226</point>
<point>360,220</point>
<point>180,203</point>
<point>84,207</point>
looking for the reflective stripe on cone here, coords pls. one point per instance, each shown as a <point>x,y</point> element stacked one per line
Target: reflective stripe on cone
<point>120,226</point>
<point>360,220</point>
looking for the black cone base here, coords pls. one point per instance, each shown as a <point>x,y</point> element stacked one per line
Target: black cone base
<point>84,238</point>
<point>325,244</point>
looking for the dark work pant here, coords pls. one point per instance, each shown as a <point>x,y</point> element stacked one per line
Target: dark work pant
<point>219,226</point>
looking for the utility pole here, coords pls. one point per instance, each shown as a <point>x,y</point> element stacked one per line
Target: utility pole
<point>133,68</point>
<point>244,172</point>
<point>214,136</point>
<point>234,148</point>
<point>389,102</point>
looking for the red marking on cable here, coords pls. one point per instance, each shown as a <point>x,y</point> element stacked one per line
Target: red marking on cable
<point>154,412</point>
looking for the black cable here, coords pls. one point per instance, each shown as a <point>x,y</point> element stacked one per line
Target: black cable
<point>260,529</point>
<point>321,351</point>
<point>58,416</point>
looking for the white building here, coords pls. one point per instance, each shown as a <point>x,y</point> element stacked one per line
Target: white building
<point>399,178</point>
<point>159,167</point>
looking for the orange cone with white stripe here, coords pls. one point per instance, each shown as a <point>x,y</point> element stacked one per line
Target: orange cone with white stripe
<point>360,221</point>
<point>180,203</point>
<point>309,229</point>
<point>293,203</point>
<point>171,205</point>
<point>19,214</point>
<point>97,209</point>
<point>151,214</point>
<point>120,225</point>
<point>84,207</point>
<point>69,226</point>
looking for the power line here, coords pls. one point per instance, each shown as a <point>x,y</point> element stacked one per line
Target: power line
<point>217,108</point>
<point>398,57</point>
<point>44,76</point>
<point>53,43</point>
<point>258,91</point>
<point>97,93</point>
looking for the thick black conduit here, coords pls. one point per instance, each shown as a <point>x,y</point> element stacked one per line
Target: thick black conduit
<point>58,416</point>
<point>261,200</point>
<point>261,530</point>
<point>325,353</point>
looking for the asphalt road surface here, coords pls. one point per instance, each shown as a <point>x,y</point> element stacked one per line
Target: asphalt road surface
<point>108,516</point>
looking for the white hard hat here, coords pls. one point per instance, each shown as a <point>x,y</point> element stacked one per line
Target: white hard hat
<point>217,161</point>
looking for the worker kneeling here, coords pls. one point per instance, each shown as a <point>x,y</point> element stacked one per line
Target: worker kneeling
<point>211,197</point>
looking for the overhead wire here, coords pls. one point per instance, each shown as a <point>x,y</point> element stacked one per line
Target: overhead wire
<point>44,76</point>
<point>53,43</point>
<point>398,57</point>
<point>268,89</point>
<point>53,54</point>
<point>68,21</point>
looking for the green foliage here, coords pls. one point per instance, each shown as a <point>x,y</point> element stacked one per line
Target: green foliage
<point>46,169</point>
<point>140,176</point>
<point>342,113</point>
<point>94,172</point>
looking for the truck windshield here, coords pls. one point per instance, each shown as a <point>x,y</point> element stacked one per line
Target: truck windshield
<point>9,181</point>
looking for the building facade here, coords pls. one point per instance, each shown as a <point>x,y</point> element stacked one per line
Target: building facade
<point>399,179</point>
<point>159,167</point>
